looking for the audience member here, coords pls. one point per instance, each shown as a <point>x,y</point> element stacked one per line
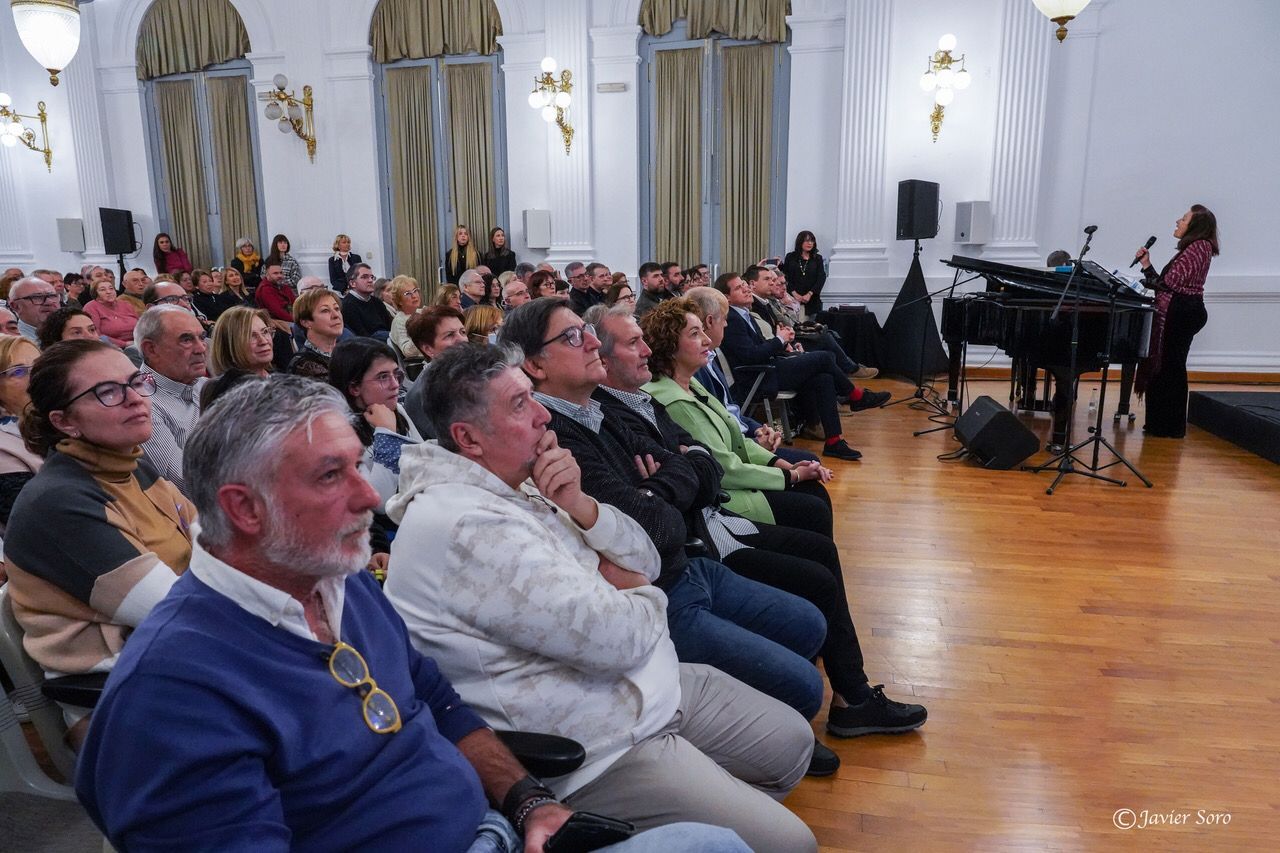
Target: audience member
<point>620,293</point>
<point>499,258</point>
<point>114,317</point>
<point>618,278</point>
<point>482,323</point>
<point>233,283</point>
<point>537,600</point>
<point>462,257</point>
<point>766,643</point>
<point>132,287</point>
<point>76,287</point>
<point>492,291</point>
<point>96,538</point>
<point>172,343</point>
<point>280,256</point>
<point>162,292</point>
<point>598,281</point>
<point>514,294</point>
<point>653,288</point>
<point>8,322</point>
<point>248,263</point>
<point>319,315</point>
<point>542,283</point>
<point>341,262</point>
<point>433,330</point>
<point>363,313</point>
<point>17,463</point>
<point>449,296</point>
<point>275,296</point>
<point>242,338</point>
<point>167,257</point>
<point>524,270</point>
<point>406,297</point>
<point>471,282</point>
<point>186,279</point>
<point>673,275</point>
<point>33,300</point>
<point>54,278</point>
<point>369,376</point>
<point>697,275</point>
<point>212,298</point>
<point>67,324</point>
<point>575,273</point>
<point>267,589</point>
<point>806,272</point>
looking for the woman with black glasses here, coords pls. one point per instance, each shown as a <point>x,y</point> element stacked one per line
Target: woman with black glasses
<point>17,464</point>
<point>96,538</point>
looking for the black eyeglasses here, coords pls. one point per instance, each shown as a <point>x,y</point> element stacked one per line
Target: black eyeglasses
<point>38,298</point>
<point>173,300</point>
<point>113,393</point>
<point>573,336</point>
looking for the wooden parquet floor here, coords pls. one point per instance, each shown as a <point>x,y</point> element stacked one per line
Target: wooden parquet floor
<point>1099,649</point>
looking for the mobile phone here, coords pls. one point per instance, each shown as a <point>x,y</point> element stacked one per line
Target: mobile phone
<point>584,832</point>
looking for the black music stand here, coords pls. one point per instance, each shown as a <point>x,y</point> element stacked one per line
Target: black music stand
<point>922,399</point>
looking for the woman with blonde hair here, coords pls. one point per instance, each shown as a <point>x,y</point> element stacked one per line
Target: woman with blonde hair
<point>341,263</point>
<point>406,297</point>
<point>462,257</point>
<point>233,283</point>
<point>481,322</point>
<point>242,338</point>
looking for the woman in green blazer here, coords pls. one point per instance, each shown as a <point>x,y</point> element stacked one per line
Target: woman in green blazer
<point>761,486</point>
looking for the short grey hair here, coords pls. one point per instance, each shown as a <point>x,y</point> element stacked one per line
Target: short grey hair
<point>458,381</point>
<point>607,339</point>
<point>240,439</point>
<point>709,301</point>
<point>573,268</point>
<point>21,284</point>
<point>151,323</point>
<point>468,277</point>
<point>309,282</point>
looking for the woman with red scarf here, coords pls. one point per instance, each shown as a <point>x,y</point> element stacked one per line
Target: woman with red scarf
<point>1179,316</point>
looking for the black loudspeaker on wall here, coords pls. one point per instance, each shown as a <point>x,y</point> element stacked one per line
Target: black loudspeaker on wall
<point>117,231</point>
<point>994,436</point>
<point>917,210</point>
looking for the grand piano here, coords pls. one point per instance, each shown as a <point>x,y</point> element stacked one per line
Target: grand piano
<point>1014,313</point>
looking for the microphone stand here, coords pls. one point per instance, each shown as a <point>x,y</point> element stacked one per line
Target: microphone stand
<point>1065,462</point>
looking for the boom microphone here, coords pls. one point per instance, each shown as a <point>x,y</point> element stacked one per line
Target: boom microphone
<point>1089,229</point>
<point>1151,241</point>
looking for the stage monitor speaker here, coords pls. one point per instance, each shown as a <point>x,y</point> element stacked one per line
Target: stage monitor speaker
<point>117,231</point>
<point>994,436</point>
<point>917,210</point>
<point>973,222</point>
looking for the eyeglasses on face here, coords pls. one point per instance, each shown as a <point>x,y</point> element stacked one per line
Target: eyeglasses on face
<point>573,336</point>
<point>18,371</point>
<point>113,393</point>
<point>385,378</point>
<point>38,298</point>
<point>348,668</point>
<point>174,300</point>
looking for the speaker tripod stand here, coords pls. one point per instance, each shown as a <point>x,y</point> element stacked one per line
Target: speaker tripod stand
<point>924,399</point>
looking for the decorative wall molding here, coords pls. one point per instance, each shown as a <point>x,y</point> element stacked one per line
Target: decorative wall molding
<point>569,176</point>
<point>1022,85</point>
<point>860,182</point>
<point>92,146</point>
<point>349,63</point>
<point>816,34</point>
<point>521,53</point>
<point>614,46</point>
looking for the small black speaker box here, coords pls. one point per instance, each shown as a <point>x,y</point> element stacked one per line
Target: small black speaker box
<point>917,210</point>
<point>994,435</point>
<point>117,231</point>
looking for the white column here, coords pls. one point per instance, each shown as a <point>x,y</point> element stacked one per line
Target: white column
<point>14,248</point>
<point>349,138</point>
<point>860,248</point>
<point>616,162</point>
<point>1019,139</point>
<point>569,175</point>
<point>92,146</point>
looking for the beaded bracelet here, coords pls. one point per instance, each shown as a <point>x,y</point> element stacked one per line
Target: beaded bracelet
<point>527,808</point>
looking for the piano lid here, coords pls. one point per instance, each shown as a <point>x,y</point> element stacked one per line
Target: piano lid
<point>1095,283</point>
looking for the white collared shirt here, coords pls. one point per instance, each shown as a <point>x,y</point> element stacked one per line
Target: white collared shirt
<point>276,606</point>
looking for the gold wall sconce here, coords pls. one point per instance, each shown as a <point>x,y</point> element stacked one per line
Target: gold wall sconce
<point>1061,12</point>
<point>551,98</point>
<point>50,31</point>
<point>291,113</point>
<point>12,131</point>
<point>943,80</point>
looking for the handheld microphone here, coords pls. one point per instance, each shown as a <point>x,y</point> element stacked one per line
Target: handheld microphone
<point>1151,241</point>
<point>1089,229</point>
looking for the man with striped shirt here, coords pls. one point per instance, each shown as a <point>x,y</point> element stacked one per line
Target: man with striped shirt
<point>173,346</point>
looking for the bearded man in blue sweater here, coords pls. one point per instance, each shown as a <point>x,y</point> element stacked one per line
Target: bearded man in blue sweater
<point>272,701</point>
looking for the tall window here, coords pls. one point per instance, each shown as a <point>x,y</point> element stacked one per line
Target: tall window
<point>715,145</point>
<point>200,126</point>
<point>443,157</point>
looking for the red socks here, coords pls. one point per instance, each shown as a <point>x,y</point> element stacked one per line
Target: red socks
<point>835,439</point>
<point>855,394</point>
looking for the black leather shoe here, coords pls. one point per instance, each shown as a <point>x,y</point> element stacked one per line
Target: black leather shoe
<point>841,450</point>
<point>869,400</point>
<point>877,715</point>
<point>824,761</point>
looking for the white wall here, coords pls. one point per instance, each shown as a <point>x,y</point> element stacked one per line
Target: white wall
<point>1146,109</point>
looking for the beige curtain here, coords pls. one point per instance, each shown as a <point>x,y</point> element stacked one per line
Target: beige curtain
<point>180,36</point>
<point>417,29</point>
<point>184,168</point>
<point>765,20</point>
<point>677,176</point>
<point>471,143</point>
<point>413,179</point>
<point>747,161</point>
<point>233,161</point>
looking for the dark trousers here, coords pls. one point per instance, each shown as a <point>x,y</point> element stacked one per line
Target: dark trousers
<point>805,506</point>
<point>807,564</point>
<point>819,384</point>
<point>826,342</point>
<point>1167,391</point>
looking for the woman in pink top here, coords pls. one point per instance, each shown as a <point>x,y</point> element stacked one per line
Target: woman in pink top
<point>168,257</point>
<point>114,317</point>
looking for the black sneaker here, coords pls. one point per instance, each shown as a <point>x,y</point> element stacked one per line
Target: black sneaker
<point>841,450</point>
<point>824,762</point>
<point>877,715</point>
<point>869,400</point>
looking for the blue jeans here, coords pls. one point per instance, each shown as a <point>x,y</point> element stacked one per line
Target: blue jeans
<point>762,636</point>
<point>495,835</point>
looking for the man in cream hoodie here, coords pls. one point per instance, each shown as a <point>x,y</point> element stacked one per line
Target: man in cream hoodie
<point>536,602</point>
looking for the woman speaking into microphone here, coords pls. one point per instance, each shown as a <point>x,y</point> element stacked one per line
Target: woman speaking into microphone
<point>1180,313</point>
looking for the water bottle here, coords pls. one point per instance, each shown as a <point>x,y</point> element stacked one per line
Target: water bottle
<point>1093,404</point>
